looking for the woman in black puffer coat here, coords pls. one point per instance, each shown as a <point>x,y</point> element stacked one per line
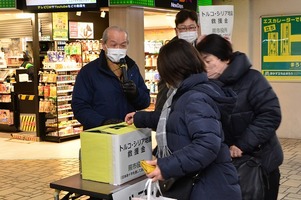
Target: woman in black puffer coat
<point>251,128</point>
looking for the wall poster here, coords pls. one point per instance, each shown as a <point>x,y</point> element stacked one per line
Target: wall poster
<point>60,26</point>
<point>281,47</point>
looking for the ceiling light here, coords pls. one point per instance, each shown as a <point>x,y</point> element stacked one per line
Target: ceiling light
<point>78,13</point>
<point>103,14</point>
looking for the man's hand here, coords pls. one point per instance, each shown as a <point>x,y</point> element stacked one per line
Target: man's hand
<point>130,89</point>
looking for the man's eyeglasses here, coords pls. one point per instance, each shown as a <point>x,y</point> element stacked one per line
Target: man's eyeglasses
<point>186,28</point>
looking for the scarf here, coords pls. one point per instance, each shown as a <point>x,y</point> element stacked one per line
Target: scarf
<point>163,150</point>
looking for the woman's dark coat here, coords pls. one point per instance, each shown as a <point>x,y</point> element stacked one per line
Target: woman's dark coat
<point>195,137</point>
<point>253,123</point>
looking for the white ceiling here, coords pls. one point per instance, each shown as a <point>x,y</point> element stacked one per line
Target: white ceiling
<point>159,19</point>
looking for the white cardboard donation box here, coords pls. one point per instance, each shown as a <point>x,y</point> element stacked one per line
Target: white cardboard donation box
<point>130,190</point>
<point>112,153</point>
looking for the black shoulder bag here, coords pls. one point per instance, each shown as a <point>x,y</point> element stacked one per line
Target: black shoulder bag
<point>251,177</point>
<point>178,188</point>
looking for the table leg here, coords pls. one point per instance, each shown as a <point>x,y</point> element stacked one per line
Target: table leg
<point>56,194</point>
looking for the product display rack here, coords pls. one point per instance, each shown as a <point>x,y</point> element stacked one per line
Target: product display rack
<point>9,114</point>
<point>151,77</point>
<point>55,92</point>
<point>56,81</point>
<point>9,119</point>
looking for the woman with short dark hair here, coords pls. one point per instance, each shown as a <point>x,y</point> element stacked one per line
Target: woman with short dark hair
<point>256,116</point>
<point>174,66</point>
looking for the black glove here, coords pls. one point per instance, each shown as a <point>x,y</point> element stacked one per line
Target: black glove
<point>112,121</point>
<point>130,89</point>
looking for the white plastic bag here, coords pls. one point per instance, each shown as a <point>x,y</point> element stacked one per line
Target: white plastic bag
<point>151,189</point>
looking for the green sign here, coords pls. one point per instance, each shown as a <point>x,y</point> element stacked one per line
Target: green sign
<point>147,3</point>
<point>151,3</point>
<point>7,4</point>
<point>203,3</point>
<point>281,48</point>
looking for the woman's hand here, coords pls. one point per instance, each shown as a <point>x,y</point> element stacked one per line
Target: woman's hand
<point>156,174</point>
<point>235,151</point>
<point>129,118</point>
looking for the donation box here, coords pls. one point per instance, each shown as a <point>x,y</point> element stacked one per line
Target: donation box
<point>111,153</point>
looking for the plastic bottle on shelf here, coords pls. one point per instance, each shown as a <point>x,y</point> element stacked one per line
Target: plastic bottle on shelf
<point>148,61</point>
<point>73,50</point>
<point>78,48</point>
<point>47,105</point>
<point>151,75</point>
<point>46,90</point>
<point>45,77</point>
<point>156,76</point>
<point>67,49</point>
<point>52,92</point>
<point>154,60</point>
<point>41,105</point>
<point>95,46</point>
<point>146,74</point>
<point>153,88</point>
<point>90,45</point>
<point>156,87</point>
<point>84,46</point>
<point>41,89</point>
<point>40,76</point>
<point>52,106</point>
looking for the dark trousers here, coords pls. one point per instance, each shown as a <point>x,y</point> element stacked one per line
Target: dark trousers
<point>272,185</point>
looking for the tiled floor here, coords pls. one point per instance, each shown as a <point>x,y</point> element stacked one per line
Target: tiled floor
<point>27,168</point>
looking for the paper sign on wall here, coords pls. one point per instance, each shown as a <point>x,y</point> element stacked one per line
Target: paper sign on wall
<point>217,19</point>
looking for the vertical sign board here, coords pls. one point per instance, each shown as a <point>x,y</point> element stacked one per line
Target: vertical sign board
<point>281,47</point>
<point>217,19</point>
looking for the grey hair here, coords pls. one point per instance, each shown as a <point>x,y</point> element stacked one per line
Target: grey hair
<point>116,28</point>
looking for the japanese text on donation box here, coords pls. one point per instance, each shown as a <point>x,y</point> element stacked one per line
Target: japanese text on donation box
<point>129,150</point>
<point>112,153</point>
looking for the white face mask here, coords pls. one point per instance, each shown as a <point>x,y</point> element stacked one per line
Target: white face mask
<point>115,55</point>
<point>189,36</point>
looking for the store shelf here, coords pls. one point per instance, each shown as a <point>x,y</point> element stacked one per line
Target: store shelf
<point>9,115</point>
<point>60,124</point>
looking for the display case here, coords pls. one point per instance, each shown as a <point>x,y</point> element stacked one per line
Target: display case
<point>9,116</point>
<point>55,91</point>
<point>151,77</point>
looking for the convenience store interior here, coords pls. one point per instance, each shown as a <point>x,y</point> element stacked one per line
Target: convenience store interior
<point>159,26</point>
<point>29,166</point>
